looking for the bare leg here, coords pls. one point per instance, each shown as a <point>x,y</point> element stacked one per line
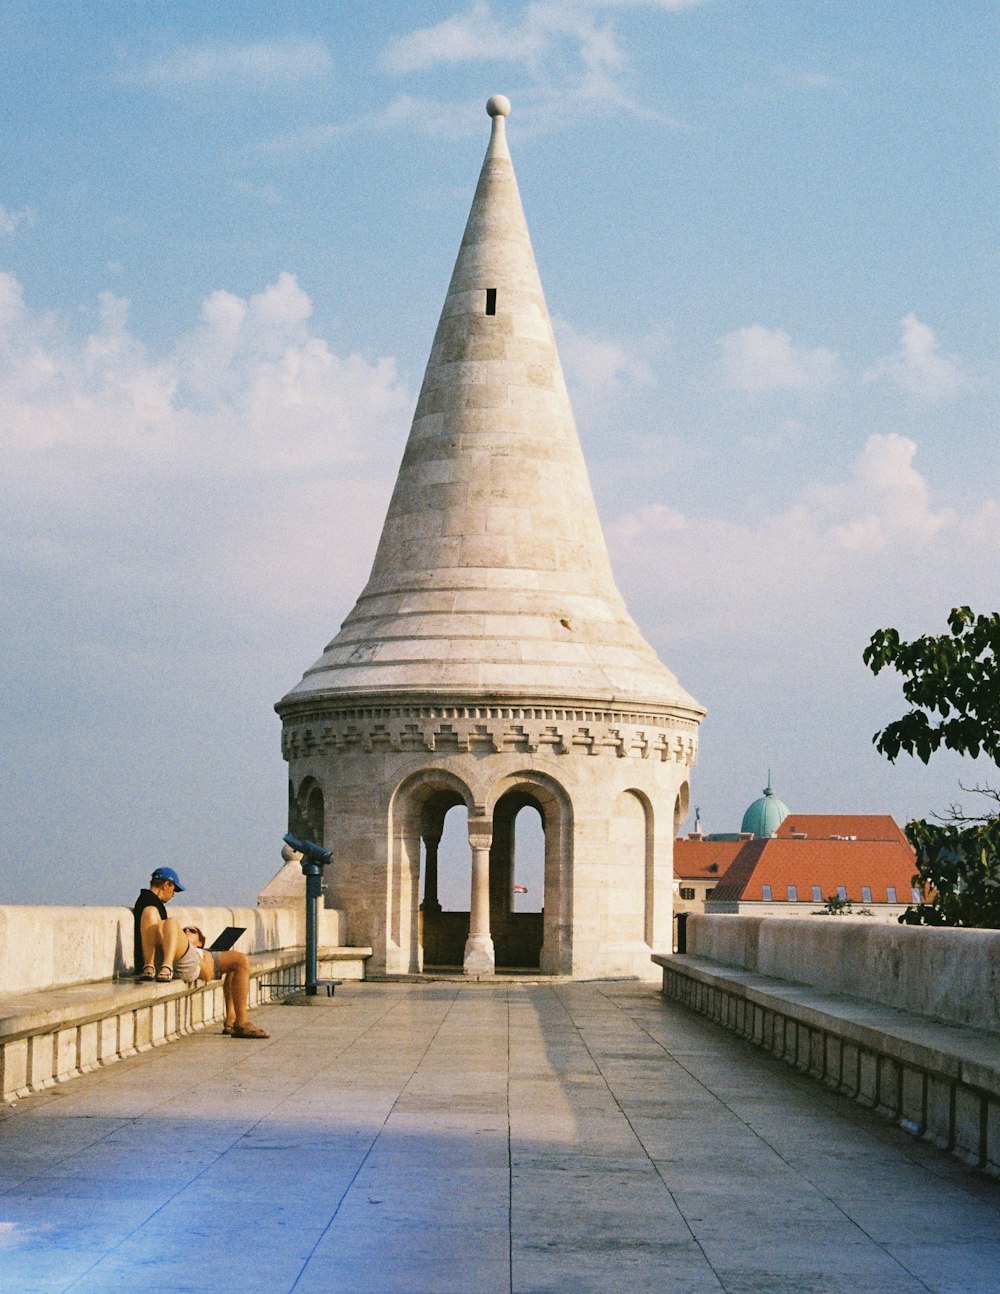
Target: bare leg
<point>173,940</point>
<point>149,934</point>
<point>236,971</point>
<point>161,939</point>
<point>235,968</point>
<point>227,993</point>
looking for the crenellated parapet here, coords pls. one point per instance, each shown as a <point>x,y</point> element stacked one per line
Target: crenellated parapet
<point>491,729</point>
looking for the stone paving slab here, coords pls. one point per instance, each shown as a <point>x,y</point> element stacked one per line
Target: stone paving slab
<point>487,1138</point>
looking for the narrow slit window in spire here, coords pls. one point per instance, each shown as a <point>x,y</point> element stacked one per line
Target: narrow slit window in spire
<point>491,301</point>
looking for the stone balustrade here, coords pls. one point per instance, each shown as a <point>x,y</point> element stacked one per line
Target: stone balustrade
<point>950,975</point>
<point>905,1019</point>
<point>69,1002</point>
<point>47,946</point>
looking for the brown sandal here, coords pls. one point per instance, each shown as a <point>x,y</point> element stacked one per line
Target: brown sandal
<point>164,975</point>
<point>248,1031</point>
<point>148,971</point>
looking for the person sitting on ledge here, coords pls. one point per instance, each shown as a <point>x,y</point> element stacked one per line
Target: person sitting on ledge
<point>162,940</point>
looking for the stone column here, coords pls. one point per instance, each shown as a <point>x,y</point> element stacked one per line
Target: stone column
<point>431,902</point>
<point>480,957</point>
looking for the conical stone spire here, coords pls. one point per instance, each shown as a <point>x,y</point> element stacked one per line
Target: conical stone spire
<point>492,581</point>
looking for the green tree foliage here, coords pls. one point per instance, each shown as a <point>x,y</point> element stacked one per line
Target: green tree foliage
<point>952,682</point>
<point>958,866</point>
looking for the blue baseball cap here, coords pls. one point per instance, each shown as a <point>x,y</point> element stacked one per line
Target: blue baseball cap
<point>166,874</point>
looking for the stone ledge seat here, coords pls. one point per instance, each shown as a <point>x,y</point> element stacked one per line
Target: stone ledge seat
<point>936,1080</point>
<point>50,1035</point>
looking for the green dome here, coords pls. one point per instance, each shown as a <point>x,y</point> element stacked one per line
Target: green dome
<point>765,815</point>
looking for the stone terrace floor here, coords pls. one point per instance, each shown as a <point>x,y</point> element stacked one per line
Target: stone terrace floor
<point>480,1138</point>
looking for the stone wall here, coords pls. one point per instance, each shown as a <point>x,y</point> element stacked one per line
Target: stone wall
<point>949,975</point>
<point>889,913</point>
<point>45,947</point>
<point>609,786</point>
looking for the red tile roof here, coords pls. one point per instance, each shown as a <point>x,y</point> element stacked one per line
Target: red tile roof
<point>821,826</point>
<point>704,859</point>
<point>826,863</point>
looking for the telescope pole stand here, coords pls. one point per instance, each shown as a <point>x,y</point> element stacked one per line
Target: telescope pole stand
<point>313,871</point>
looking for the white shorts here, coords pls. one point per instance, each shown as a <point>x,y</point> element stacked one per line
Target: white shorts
<point>187,967</point>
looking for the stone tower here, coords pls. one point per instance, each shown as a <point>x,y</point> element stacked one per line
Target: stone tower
<point>490,662</point>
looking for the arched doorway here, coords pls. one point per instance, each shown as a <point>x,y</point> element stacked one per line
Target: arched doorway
<point>306,812</point>
<point>445,878</point>
<point>681,808</point>
<point>517,856</point>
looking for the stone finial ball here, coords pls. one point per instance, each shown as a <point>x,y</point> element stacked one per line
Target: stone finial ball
<point>288,853</point>
<point>498,105</point>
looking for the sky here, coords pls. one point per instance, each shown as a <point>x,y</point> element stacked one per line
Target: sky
<point>767,235</point>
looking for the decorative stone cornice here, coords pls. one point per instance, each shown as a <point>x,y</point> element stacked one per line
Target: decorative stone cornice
<point>489,729</point>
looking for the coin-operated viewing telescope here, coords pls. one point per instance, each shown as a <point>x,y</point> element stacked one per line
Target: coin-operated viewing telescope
<point>309,850</point>
<point>314,859</point>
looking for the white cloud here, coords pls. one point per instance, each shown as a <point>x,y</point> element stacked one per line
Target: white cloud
<point>823,567</point>
<point>10,221</point>
<point>11,301</point>
<point>759,359</point>
<point>180,535</point>
<point>601,368</point>
<point>478,36</point>
<point>885,501</point>
<point>236,434</point>
<point>468,37</point>
<point>565,50</point>
<point>57,395</point>
<point>670,5</point>
<point>566,47</point>
<point>433,116</point>
<point>918,366</point>
<point>648,523</point>
<point>764,617</point>
<point>276,65</point>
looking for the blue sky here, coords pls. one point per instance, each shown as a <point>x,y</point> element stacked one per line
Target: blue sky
<point>767,237</point>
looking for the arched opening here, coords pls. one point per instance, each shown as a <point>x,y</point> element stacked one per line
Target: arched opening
<point>306,811</point>
<point>517,880</point>
<point>419,928</point>
<point>630,892</point>
<point>315,815</point>
<point>443,844</point>
<point>445,879</point>
<point>444,862</point>
<point>681,805</point>
<point>529,860</point>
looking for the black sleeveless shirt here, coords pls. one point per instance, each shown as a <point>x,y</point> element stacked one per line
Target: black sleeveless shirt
<point>146,899</point>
